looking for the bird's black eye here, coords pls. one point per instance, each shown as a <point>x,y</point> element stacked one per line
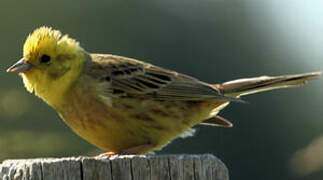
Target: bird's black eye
<point>45,58</point>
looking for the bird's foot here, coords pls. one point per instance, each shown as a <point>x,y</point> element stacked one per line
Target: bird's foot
<point>107,154</point>
<point>129,151</point>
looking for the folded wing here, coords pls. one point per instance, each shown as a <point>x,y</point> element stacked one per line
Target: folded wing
<point>129,77</point>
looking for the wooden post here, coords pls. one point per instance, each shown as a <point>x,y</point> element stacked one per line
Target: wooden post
<point>125,167</point>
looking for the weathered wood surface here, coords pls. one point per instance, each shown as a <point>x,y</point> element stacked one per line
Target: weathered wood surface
<point>126,167</point>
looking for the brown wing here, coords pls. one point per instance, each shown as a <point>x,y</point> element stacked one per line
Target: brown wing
<point>130,77</point>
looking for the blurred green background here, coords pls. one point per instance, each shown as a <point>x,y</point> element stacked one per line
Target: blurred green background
<point>277,136</point>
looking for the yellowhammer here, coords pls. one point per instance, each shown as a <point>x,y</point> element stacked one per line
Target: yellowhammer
<point>124,105</point>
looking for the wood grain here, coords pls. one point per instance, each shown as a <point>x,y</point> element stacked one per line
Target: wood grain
<point>125,167</point>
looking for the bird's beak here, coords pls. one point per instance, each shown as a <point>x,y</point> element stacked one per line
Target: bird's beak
<point>19,66</point>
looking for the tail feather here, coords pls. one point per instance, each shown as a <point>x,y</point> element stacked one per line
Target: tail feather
<point>240,87</point>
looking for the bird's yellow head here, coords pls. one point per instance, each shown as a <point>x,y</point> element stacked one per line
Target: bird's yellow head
<point>51,62</point>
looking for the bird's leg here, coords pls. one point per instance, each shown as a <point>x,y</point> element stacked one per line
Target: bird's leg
<point>107,154</point>
<point>132,150</point>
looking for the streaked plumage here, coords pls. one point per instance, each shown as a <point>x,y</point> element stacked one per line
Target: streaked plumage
<point>124,105</point>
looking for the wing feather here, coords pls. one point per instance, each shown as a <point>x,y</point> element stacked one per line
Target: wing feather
<point>130,77</point>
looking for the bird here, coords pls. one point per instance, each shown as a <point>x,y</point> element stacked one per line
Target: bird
<point>123,105</point>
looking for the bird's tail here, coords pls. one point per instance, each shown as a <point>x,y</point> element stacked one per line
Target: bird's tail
<point>240,87</point>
